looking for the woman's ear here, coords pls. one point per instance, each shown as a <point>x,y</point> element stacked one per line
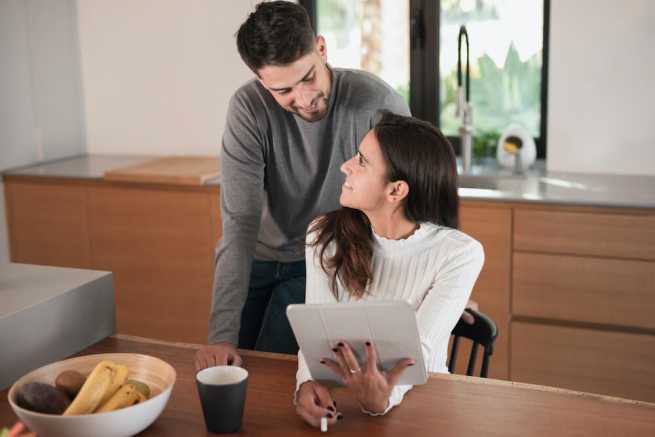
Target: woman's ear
<point>398,191</point>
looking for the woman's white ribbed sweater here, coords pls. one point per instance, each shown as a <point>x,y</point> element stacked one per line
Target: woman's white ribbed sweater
<point>434,270</point>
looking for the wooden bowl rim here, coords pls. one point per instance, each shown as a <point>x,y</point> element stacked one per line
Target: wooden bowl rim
<point>17,383</point>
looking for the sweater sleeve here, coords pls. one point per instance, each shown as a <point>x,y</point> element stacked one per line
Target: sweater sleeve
<point>242,195</point>
<point>317,290</point>
<point>444,303</point>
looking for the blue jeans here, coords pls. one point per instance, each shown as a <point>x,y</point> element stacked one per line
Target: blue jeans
<point>264,323</point>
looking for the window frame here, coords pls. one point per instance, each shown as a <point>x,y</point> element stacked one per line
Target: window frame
<point>424,65</point>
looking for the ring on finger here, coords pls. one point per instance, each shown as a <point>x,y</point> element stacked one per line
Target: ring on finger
<point>353,371</point>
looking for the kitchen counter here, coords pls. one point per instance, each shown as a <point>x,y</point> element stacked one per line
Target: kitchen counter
<point>538,185</point>
<point>70,309</point>
<point>452,404</point>
<point>84,167</point>
<point>486,182</point>
<point>78,167</point>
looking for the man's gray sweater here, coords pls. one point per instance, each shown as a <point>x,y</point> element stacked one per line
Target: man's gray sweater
<point>279,172</point>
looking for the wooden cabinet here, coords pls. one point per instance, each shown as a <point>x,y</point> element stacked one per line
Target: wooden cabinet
<point>572,291</point>
<point>48,223</point>
<point>159,245</point>
<point>157,240</point>
<point>583,299</point>
<point>584,289</point>
<point>593,232</point>
<point>491,225</point>
<point>593,360</point>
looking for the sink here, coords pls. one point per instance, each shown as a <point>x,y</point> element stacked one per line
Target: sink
<point>478,182</point>
<point>488,176</point>
<point>498,182</point>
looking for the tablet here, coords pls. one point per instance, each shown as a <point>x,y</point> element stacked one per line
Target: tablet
<point>390,325</point>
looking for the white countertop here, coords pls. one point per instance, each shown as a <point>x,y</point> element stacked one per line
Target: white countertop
<point>25,285</point>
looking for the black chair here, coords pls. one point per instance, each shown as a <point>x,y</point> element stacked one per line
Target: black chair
<point>482,333</point>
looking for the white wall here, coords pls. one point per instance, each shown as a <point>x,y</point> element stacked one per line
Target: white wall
<point>41,116</point>
<point>601,105</point>
<point>157,77</point>
<point>158,74</point>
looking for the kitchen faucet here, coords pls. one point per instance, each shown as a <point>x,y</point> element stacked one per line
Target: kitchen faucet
<point>464,106</point>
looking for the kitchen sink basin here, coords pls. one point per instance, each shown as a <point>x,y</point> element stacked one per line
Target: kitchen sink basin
<point>478,182</point>
<point>497,182</point>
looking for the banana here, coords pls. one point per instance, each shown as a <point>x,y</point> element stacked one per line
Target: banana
<point>120,376</point>
<point>100,385</point>
<point>126,396</point>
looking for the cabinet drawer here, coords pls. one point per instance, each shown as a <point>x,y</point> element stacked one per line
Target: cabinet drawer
<point>611,363</point>
<point>585,233</point>
<point>595,290</point>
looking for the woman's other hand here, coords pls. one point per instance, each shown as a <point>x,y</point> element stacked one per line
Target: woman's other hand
<point>468,317</point>
<point>371,386</point>
<point>313,402</point>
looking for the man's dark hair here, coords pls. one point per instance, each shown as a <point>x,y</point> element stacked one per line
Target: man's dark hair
<point>277,33</point>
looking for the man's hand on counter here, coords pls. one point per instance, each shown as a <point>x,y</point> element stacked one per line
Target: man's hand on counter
<point>218,354</point>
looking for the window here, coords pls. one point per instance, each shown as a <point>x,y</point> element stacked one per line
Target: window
<point>411,43</point>
<point>370,35</point>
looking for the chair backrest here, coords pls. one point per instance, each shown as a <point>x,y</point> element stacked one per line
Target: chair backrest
<point>482,333</point>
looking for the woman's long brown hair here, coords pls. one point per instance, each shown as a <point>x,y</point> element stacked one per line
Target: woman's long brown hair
<point>415,152</point>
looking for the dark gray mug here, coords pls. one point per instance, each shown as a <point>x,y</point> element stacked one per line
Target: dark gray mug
<point>222,391</point>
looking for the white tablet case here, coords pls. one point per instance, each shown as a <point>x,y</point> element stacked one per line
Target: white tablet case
<point>390,325</point>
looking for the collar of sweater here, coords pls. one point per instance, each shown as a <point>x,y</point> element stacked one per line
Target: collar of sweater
<point>416,241</point>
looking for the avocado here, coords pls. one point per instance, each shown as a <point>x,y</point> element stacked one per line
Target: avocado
<point>42,398</point>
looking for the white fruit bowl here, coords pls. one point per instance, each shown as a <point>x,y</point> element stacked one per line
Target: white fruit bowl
<point>158,374</point>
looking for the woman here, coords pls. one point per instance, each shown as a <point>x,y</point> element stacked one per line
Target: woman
<point>394,239</point>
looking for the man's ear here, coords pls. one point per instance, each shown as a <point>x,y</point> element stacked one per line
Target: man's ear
<point>321,47</point>
<point>398,191</point>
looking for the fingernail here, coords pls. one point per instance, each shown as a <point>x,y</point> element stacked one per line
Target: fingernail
<point>340,344</point>
<point>334,349</point>
<point>368,343</point>
<point>331,408</point>
<point>329,415</point>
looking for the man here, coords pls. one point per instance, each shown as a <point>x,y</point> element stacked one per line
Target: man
<point>287,133</point>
